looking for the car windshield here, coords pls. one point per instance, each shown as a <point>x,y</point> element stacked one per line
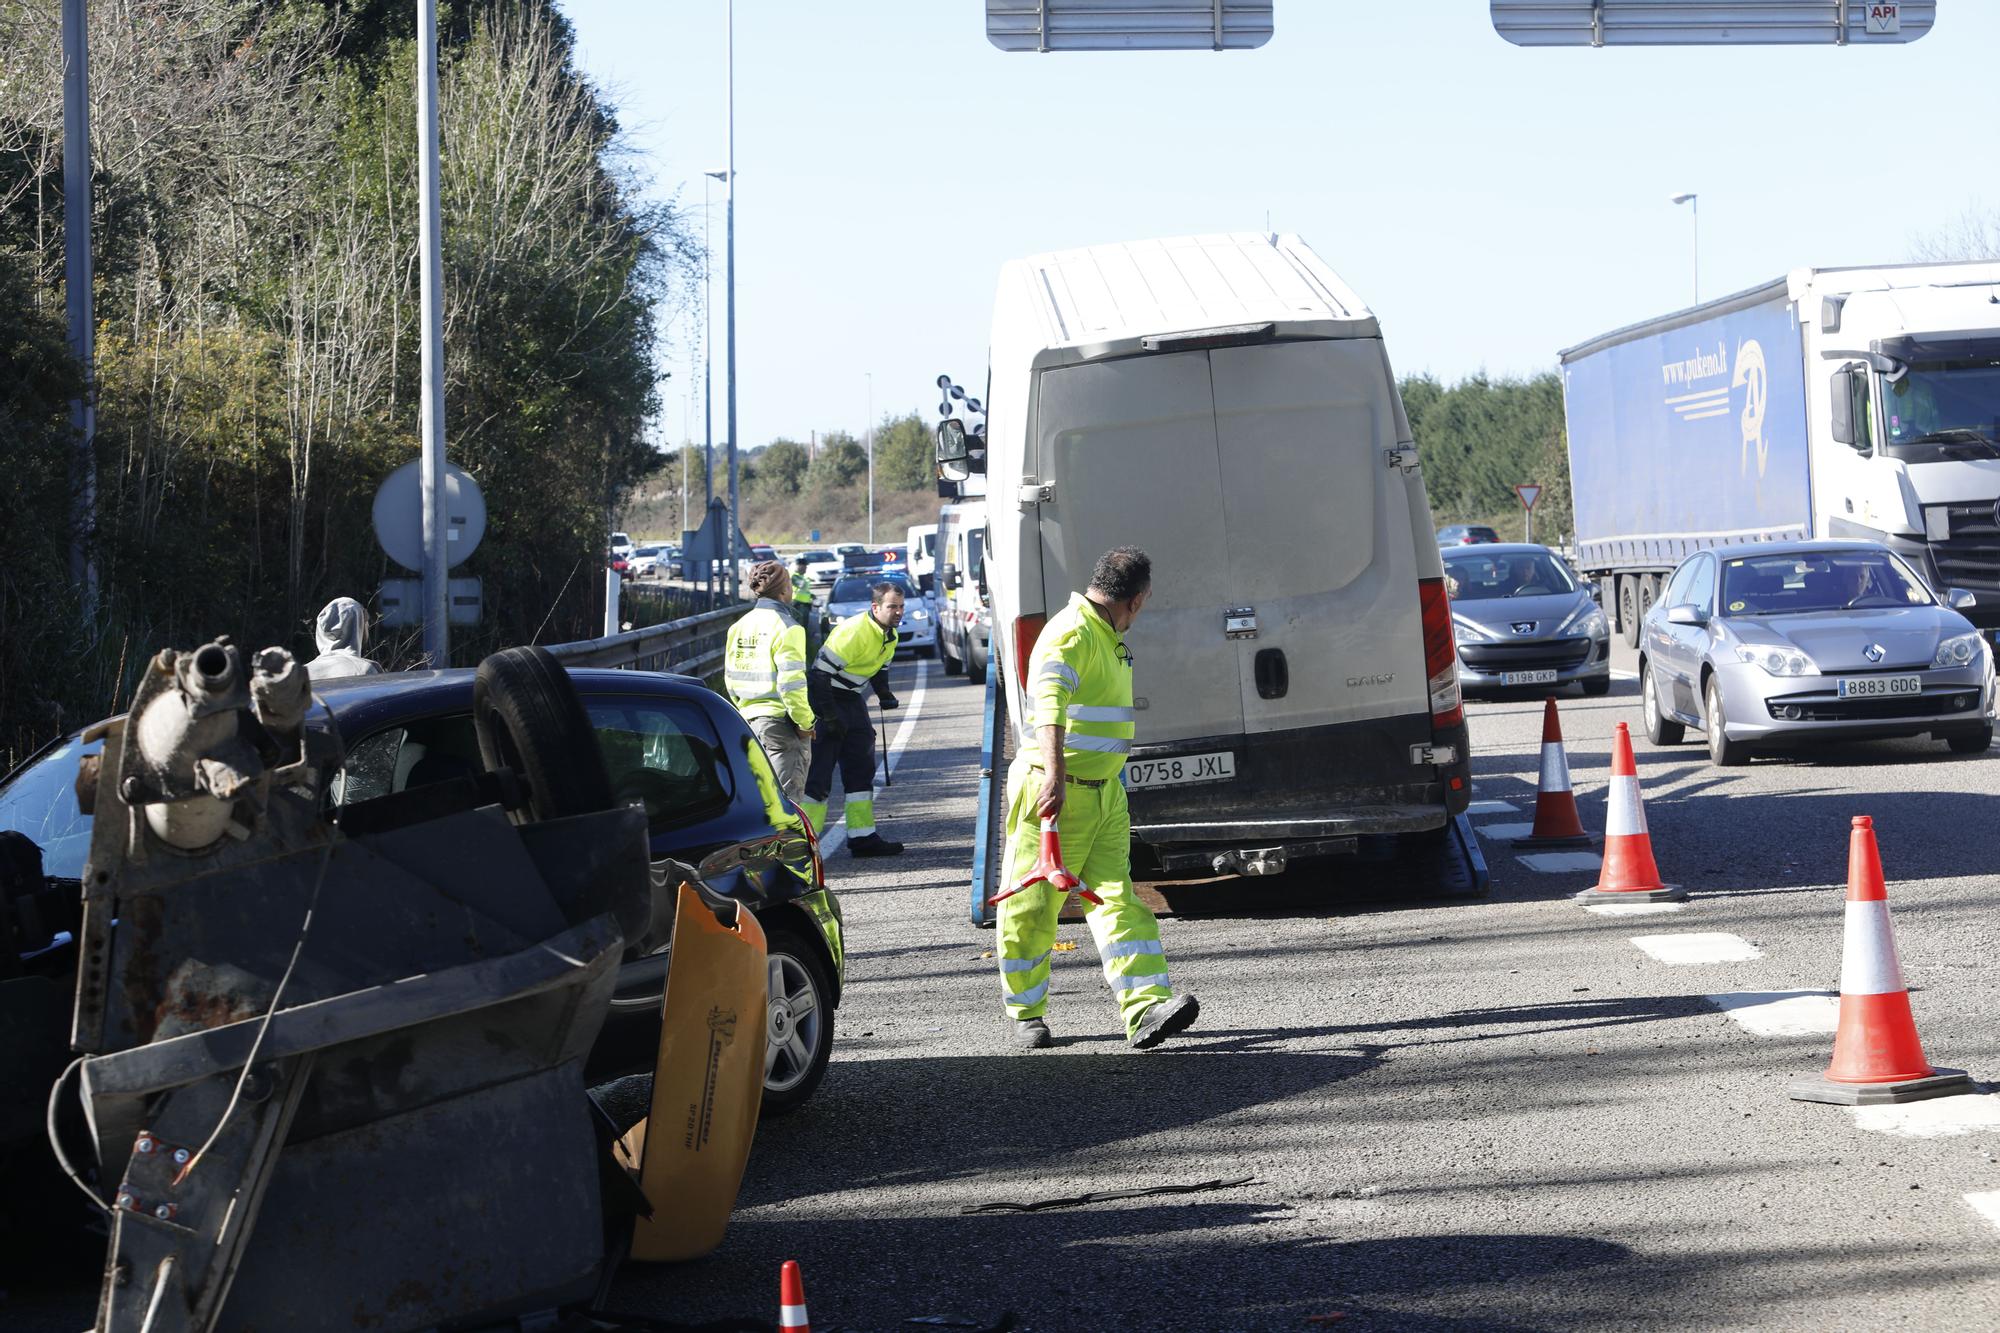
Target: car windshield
<point>40,803</point>
<point>1482,578</point>
<point>647,550</point>
<point>858,589</point>
<point>1785,585</point>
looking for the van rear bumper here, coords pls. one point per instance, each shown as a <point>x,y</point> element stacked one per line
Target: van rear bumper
<point>1309,784</point>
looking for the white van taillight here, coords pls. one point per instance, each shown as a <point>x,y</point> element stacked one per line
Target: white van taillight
<point>1026,630</point>
<point>1440,654</point>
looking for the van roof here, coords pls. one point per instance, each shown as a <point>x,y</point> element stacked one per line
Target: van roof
<point>1104,299</point>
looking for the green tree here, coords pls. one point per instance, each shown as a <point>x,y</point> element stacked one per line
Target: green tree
<point>840,462</point>
<point>781,468</point>
<point>905,453</point>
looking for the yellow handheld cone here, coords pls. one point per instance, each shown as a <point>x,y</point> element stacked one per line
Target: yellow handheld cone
<point>708,1083</point>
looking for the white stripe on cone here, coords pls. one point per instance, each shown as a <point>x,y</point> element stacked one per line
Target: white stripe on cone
<point>1555,767</point>
<point>1624,815</point>
<point>791,1316</point>
<point>1868,963</point>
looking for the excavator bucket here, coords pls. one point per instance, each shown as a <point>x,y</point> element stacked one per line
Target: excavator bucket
<point>708,1083</point>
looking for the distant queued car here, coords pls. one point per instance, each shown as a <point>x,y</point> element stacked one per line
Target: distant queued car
<point>853,595</point>
<point>1790,644</point>
<point>1462,534</point>
<point>621,545</point>
<point>619,564</point>
<point>1522,618</point>
<point>645,562</point>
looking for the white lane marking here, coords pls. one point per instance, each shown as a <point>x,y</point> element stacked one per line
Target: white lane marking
<point>1987,1204</point>
<point>1781,1013</point>
<point>1556,863</point>
<point>1504,832</point>
<point>1617,674</point>
<point>1634,909</point>
<point>1707,946</point>
<point>836,834</point>
<point>1492,808</point>
<point>1933,1118</point>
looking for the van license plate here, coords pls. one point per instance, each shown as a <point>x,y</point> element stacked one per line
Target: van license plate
<point>1527,678</point>
<point>1879,687</point>
<point>1217,766</point>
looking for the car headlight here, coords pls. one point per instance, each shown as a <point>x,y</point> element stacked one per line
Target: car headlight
<point>1468,632</point>
<point>1777,659</point>
<point>1958,651</point>
<point>920,615</point>
<point>1587,620</point>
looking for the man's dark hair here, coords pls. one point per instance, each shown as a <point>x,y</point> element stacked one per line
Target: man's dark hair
<point>877,591</point>
<point>1122,573</point>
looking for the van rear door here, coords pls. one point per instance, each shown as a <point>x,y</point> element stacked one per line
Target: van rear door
<point>1319,539</point>
<point>1130,446</point>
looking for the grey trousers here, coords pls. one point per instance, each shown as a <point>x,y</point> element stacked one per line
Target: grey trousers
<point>788,751</point>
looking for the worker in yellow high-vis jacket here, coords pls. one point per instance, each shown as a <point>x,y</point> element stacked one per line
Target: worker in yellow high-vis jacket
<point>1078,734</point>
<point>855,657</point>
<point>764,669</point>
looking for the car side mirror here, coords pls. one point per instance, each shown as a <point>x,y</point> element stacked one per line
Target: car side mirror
<point>1959,599</point>
<point>1687,614</point>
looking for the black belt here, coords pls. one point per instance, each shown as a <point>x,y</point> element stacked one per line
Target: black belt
<point>1081,782</point>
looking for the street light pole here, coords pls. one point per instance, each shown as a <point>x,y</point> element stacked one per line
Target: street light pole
<point>1693,201</point>
<point>729,283</point>
<point>437,630</point>
<point>871,457</point>
<point>708,375</point>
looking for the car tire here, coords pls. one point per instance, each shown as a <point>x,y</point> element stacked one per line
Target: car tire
<point>1978,742</point>
<point>952,665</point>
<point>975,666</point>
<point>1722,752</point>
<point>1658,729</point>
<point>530,719</point>
<point>793,1073</point>
<point>1596,687</point>
<point>1628,609</point>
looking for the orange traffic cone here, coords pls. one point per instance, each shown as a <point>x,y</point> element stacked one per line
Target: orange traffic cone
<point>1556,822</point>
<point>1877,1057</point>
<point>1629,873</point>
<point>792,1300</point>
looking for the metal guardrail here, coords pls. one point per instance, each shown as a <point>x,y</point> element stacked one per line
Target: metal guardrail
<point>691,646</point>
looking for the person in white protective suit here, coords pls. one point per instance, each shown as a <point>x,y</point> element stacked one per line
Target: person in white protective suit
<point>342,634</point>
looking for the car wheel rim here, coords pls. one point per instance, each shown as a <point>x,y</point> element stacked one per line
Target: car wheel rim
<point>792,1029</point>
<point>1652,700</point>
<point>1715,721</point>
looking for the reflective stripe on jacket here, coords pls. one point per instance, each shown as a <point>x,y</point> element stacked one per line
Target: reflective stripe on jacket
<point>764,664</point>
<point>857,648</point>
<point>1079,679</point>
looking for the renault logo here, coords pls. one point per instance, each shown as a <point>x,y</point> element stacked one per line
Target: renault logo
<point>1524,627</point>
<point>1874,652</point>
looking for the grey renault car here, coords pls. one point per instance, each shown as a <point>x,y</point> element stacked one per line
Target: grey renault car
<point>1787,644</point>
<point>1523,618</point>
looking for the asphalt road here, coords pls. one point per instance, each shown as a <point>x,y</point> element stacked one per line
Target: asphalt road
<point>1494,1114</point>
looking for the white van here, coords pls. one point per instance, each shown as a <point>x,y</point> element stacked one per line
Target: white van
<point>964,624</point>
<point>1225,402</point>
<point>922,544</point>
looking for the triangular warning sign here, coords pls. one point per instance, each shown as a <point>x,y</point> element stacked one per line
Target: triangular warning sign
<point>1529,493</point>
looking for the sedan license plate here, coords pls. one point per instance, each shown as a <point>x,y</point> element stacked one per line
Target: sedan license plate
<point>1527,678</point>
<point>1216,766</point>
<point>1879,687</point>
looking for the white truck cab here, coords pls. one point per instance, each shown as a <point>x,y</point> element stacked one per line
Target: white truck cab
<point>1225,402</point>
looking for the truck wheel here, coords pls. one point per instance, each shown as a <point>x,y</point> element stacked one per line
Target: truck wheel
<point>1649,592</point>
<point>1628,609</point>
<point>529,719</point>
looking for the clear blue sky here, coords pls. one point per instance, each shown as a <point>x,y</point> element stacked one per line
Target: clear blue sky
<point>1491,203</point>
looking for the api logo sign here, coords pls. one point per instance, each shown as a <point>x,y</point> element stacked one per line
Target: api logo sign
<point>1884,19</point>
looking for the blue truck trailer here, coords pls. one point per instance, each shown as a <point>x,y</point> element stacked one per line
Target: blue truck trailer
<point>1858,403</point>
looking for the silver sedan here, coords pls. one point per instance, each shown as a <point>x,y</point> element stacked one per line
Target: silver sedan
<point>1522,618</point>
<point>1814,641</point>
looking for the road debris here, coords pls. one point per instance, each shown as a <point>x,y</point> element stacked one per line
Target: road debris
<point>1105,1196</point>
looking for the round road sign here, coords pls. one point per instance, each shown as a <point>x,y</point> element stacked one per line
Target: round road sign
<point>399,515</point>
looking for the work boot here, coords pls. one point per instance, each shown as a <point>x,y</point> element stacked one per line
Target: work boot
<point>1032,1034</point>
<point>873,844</point>
<point>1163,1020</point>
